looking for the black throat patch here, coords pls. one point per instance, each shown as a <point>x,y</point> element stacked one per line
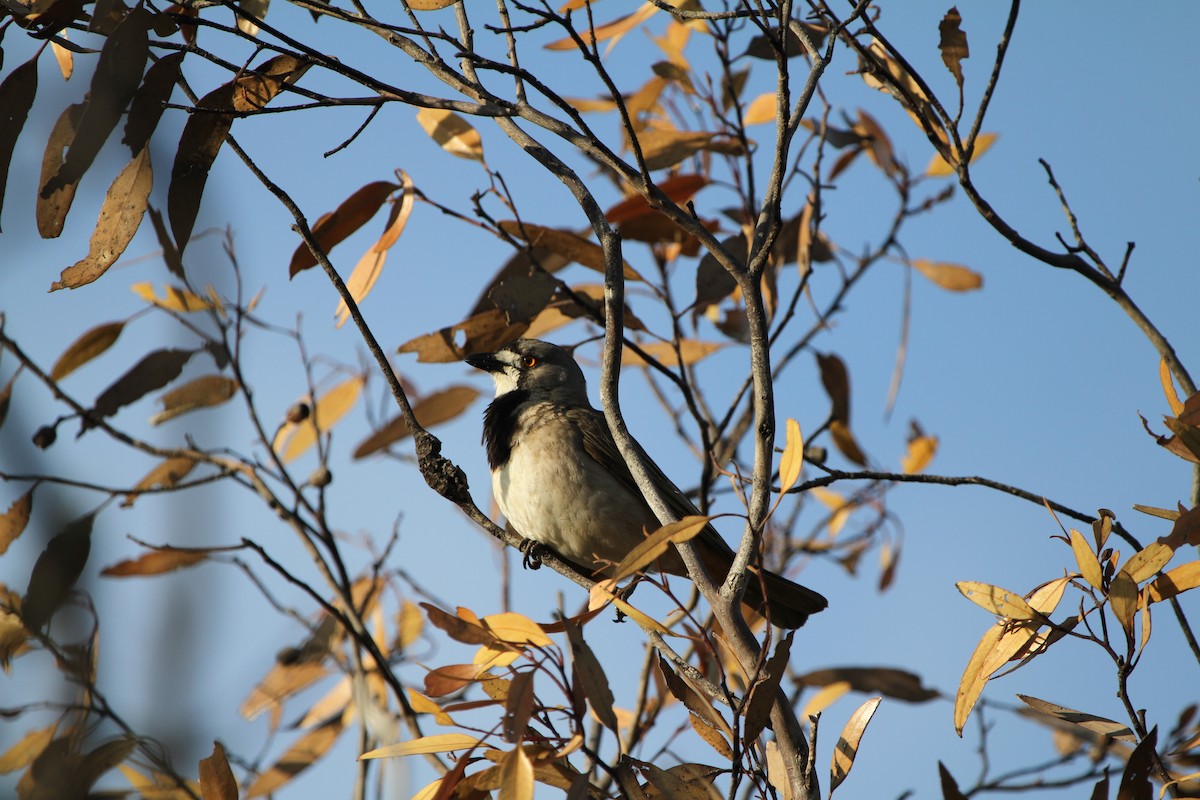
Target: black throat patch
<point>500,425</point>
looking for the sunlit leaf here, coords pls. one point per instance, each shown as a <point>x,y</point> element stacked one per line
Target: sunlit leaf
<point>921,450</point>
<point>792,461</point>
<point>1168,384</point>
<point>430,5</point>
<point>677,188</point>
<point>610,31</point>
<point>940,168</point>
<point>484,332</point>
<point>14,520</point>
<point>824,698</point>
<point>354,212</point>
<point>761,109</point>
<point>216,778</point>
<point>453,133</point>
<point>846,749</point>
<point>328,410</point>
<point>1147,561</point>
<point>690,351</point>
<point>516,776</point>
<point>1089,566</point>
<point>166,474</point>
<point>203,392</point>
<point>370,266</point>
<point>53,205</point>
<point>120,215</point>
<point>513,628</point>
<point>1000,602</point>
<point>431,410</point>
<point>662,148</point>
<point>174,298</point>
<point>653,546</point>
<point>303,753</point>
<point>26,749</point>
<point>280,683</point>
<point>1178,580</point>
<point>1090,722</point>
<point>156,562</point>
<point>952,277</point>
<point>91,344</point>
<point>438,743</point>
<point>1123,599</point>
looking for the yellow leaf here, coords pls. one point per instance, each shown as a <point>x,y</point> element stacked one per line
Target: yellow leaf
<point>690,350</point>
<point>369,267</point>
<point>430,5</point>
<point>1090,722</point>
<point>203,392</point>
<point>513,628</point>
<point>824,698</point>
<point>1123,599</point>
<point>653,546</point>
<point>939,168</point>
<point>952,277</point>
<point>998,601</point>
<point>1086,559</point>
<point>452,132</point>
<point>299,757</point>
<point>975,676</point>
<point>23,753</point>
<point>837,504</point>
<point>409,625</point>
<point>516,776</point>
<point>921,451</point>
<point>792,461</point>
<point>438,743</point>
<point>1178,580</point>
<point>330,408</point>
<point>761,109</point>
<point>85,348</point>
<point>846,748</point>
<point>609,31</point>
<point>173,299</point>
<point>423,705</point>
<point>1168,384</point>
<point>1147,561</point>
<point>845,442</point>
<point>156,562</point>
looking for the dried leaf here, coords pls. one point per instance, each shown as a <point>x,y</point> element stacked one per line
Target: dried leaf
<point>767,46</point>
<point>168,473</point>
<point>26,750</point>
<point>921,450</point>
<point>950,790</point>
<point>570,246</point>
<point>354,212</point>
<point>453,133</point>
<point>1168,384</point>
<point>120,215</point>
<point>845,442</point>
<point>369,267</point>
<point>203,392</point>
<point>846,749</point>
<point>1089,722</point>
<point>677,188</point>
<point>1143,764</point>
<point>653,546</point>
<point>430,5</point>
<point>610,31</point>
<point>293,442</point>
<point>836,380</point>
<point>483,332</point>
<point>765,692</point>
<point>280,683</point>
<point>953,44</point>
<point>156,562</point>
<point>52,207</point>
<point>435,409</point>
<point>516,776</point>
<point>174,298</point>
<point>438,743</point>
<point>715,739</point>
<point>1147,561</point>
<point>64,57</point>
<point>940,168</point>
<point>56,571</point>
<point>116,79</point>
<point>85,348</point>
<point>824,698</point>
<point>14,520</point>
<point>952,277</point>
<point>1089,565</point>
<point>877,143</point>
<point>1166,586</point>
<point>590,675</point>
<point>216,778</point>
<point>1000,602</point>
<point>690,352</point>
<point>149,103</point>
<point>299,757</point>
<point>1123,599</point>
<point>897,683</point>
<point>792,460</point>
<point>761,109</point>
<point>513,628</point>
<point>666,148</point>
<point>154,371</point>
<point>206,130</point>
<point>6,397</point>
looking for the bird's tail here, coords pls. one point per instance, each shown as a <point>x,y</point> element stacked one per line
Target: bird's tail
<point>786,604</point>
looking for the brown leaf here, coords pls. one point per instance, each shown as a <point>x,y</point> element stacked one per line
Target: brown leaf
<point>846,749</point>
<point>216,778</point>
<point>118,73</point>
<point>207,128</point>
<point>523,297</point>
<point>518,707</point>
<point>28,748</point>
<point>149,103</point>
<point>166,474</point>
<point>767,46</point>
<point>170,252</point>
<point>122,212</point>
<point>567,244</point>
<point>666,148</point>
<point>950,790</point>
<point>283,681</point>
<point>764,692</point>
<point>6,397</point>
<point>438,407</point>
<point>369,267</point>
<point>52,207</point>
<point>154,371</point>
<point>14,520</point>
<point>998,601</point>
<point>878,145</point>
<point>453,133</point>
<point>156,562</point>
<point>897,683</point>
<point>85,348</point>
<point>836,380</point>
<point>1090,722</point>
<point>458,628</point>
<point>203,392</point>
<point>845,442</point>
<point>690,351</point>
<point>1178,580</point>
<point>303,753</point>
<point>16,98</point>
<point>354,212</point>
<point>608,31</point>
<point>1143,763</point>
<point>953,277</point>
<point>483,332</point>
<point>677,188</point>
<point>713,281</point>
<point>295,438</point>
<point>55,572</point>
<point>953,44</point>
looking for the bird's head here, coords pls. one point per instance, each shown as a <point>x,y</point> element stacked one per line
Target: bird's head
<point>543,369</point>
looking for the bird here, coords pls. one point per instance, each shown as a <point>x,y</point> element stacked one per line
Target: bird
<point>561,482</point>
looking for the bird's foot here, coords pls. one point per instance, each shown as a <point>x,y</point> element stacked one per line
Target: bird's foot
<point>531,554</point>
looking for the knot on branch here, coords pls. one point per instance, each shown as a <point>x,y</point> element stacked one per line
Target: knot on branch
<point>443,476</point>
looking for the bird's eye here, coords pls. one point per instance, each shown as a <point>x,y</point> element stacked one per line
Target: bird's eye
<point>528,361</point>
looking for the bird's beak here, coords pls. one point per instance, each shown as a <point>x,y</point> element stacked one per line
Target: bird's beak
<point>486,362</point>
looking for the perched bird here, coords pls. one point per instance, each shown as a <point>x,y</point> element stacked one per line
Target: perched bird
<point>561,482</point>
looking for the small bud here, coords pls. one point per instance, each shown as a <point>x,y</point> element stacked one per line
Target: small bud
<point>320,477</point>
<point>298,413</point>
<point>45,436</point>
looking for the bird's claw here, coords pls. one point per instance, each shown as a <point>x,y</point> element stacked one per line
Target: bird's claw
<point>531,554</point>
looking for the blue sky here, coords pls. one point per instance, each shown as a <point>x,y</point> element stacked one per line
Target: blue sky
<point>1036,380</point>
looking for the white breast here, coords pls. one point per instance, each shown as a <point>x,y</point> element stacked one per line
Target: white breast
<point>551,491</point>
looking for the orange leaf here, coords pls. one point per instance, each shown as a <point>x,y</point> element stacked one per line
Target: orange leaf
<point>156,562</point>
<point>352,214</point>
